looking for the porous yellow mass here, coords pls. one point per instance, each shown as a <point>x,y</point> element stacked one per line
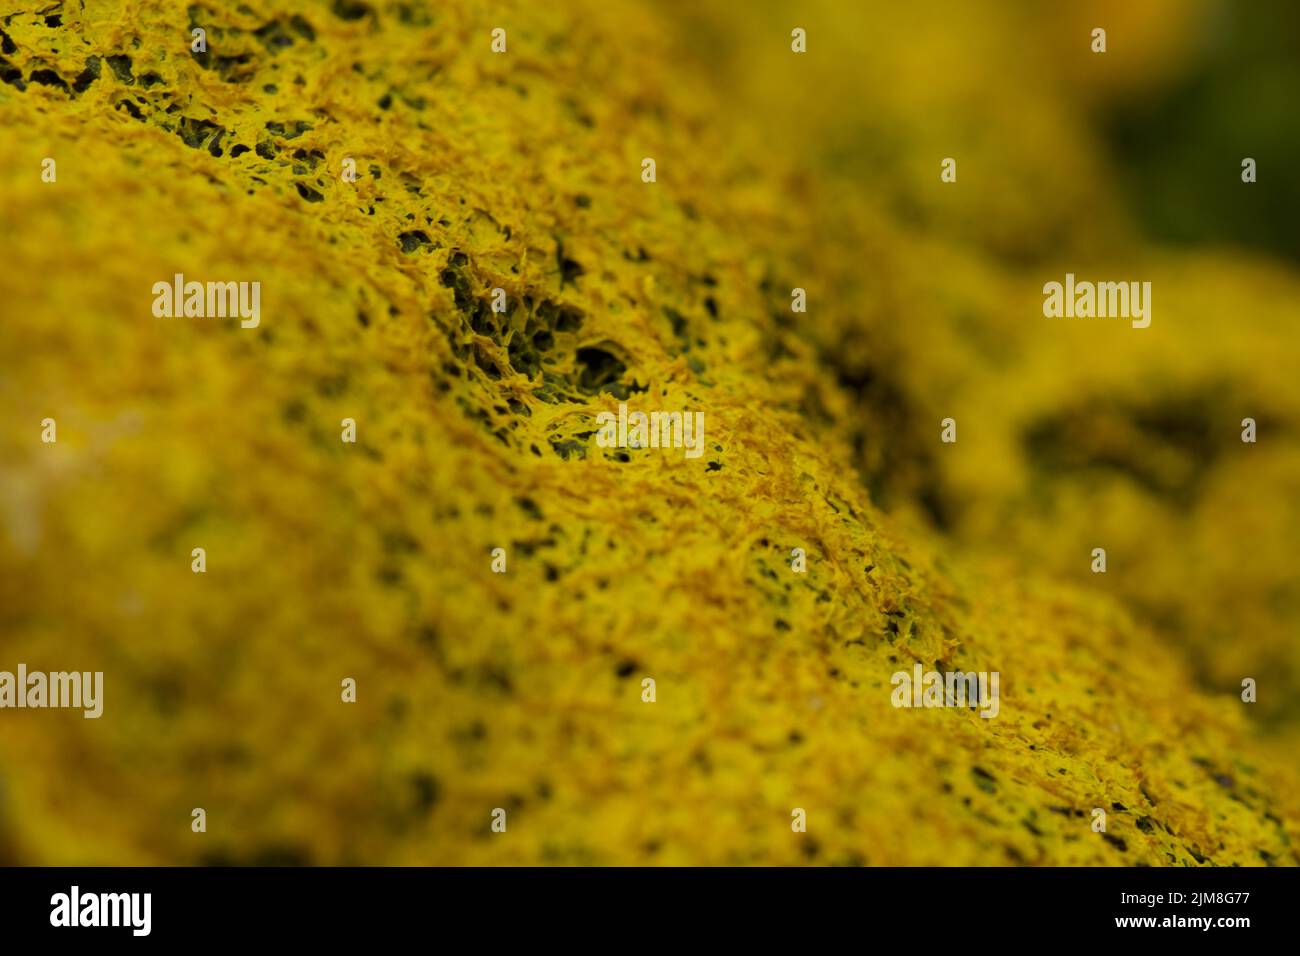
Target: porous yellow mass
<point>523,691</point>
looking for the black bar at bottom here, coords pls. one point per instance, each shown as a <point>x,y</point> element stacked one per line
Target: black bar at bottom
<point>330,906</point>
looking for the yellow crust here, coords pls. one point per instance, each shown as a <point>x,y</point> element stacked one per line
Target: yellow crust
<point>522,690</point>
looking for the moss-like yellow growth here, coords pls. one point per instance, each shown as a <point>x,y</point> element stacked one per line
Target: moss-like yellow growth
<point>522,171</point>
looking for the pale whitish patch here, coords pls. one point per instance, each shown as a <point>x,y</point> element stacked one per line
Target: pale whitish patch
<point>1248,690</point>
<point>349,173</point>
<point>648,170</point>
<point>198,40</point>
<point>200,563</point>
<point>798,300</point>
<point>49,170</point>
<point>199,820</point>
<point>948,170</point>
<point>498,40</point>
<point>349,693</point>
<point>349,433</point>
<point>798,820</point>
<point>498,820</point>
<point>648,688</point>
<point>1099,40</point>
<point>799,40</point>
<point>798,561</point>
<point>1098,560</point>
<point>1248,430</point>
<point>23,491</point>
<point>498,560</point>
<point>1247,170</point>
<point>948,431</point>
<point>1098,820</point>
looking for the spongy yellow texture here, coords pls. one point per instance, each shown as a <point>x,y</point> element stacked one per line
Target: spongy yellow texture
<point>475,430</point>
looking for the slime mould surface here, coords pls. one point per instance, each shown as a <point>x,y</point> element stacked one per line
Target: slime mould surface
<point>476,430</point>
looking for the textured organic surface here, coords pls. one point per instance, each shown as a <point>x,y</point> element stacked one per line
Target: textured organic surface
<point>476,430</point>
